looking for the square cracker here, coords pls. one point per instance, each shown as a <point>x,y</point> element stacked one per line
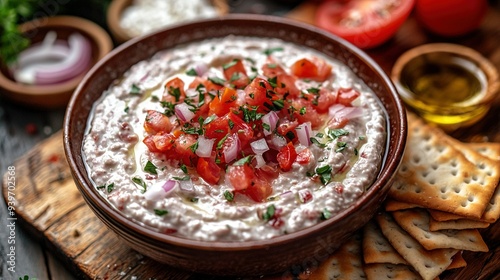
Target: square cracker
<point>429,264</point>
<point>394,205</point>
<point>439,176</point>
<point>381,271</point>
<point>456,224</point>
<point>376,248</point>
<point>345,263</point>
<point>416,223</point>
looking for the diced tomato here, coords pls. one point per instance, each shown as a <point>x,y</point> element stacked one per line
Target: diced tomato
<point>244,180</point>
<point>286,157</point>
<point>217,129</point>
<point>272,69</point>
<point>286,128</point>
<point>268,172</point>
<point>235,73</point>
<point>209,85</point>
<point>148,140</point>
<point>183,149</point>
<point>208,170</point>
<point>241,128</point>
<point>315,69</point>
<point>174,91</point>
<point>223,102</point>
<point>311,115</point>
<point>260,190</point>
<point>347,95</point>
<point>163,141</point>
<point>257,93</point>
<point>286,84</point>
<point>156,122</point>
<point>304,156</point>
<point>325,99</point>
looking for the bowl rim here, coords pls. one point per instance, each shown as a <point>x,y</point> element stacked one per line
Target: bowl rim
<point>385,175</point>
<point>89,29</point>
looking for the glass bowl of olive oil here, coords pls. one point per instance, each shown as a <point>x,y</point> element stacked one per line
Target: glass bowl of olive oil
<point>447,84</point>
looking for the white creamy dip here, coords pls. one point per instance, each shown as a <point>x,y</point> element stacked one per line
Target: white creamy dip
<point>343,161</point>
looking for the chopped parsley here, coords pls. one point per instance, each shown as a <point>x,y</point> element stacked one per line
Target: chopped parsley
<point>169,108</point>
<point>325,215</point>
<point>341,146</point>
<point>336,133</point>
<point>273,81</point>
<point>302,111</point>
<point>217,80</point>
<point>192,72</point>
<point>209,119</point>
<point>278,104</point>
<point>317,143</point>
<point>235,76</point>
<point>109,188</point>
<point>230,64</point>
<point>272,50</point>
<point>228,195</point>
<point>151,168</point>
<point>243,161</point>
<point>221,142</point>
<point>266,126</point>
<point>184,168</point>
<point>135,90</point>
<point>230,123</point>
<point>175,92</point>
<point>194,147</point>
<point>185,178</point>
<point>324,173</point>
<point>141,183</point>
<point>313,90</point>
<point>194,199</point>
<point>160,212</point>
<point>269,214</point>
<point>126,109</point>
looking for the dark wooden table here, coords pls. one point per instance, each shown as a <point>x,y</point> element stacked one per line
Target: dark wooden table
<point>22,127</point>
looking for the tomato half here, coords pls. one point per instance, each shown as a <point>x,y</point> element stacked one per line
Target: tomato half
<point>365,23</point>
<point>450,17</point>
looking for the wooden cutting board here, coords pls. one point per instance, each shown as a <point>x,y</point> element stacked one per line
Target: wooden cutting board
<point>51,208</point>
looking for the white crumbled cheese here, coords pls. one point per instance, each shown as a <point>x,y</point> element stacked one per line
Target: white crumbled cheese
<point>145,16</point>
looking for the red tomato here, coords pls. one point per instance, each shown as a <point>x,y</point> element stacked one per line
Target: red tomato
<point>235,73</point>
<point>286,84</point>
<point>257,92</point>
<point>174,91</point>
<point>183,150</point>
<point>286,128</point>
<point>208,170</point>
<point>244,180</point>
<point>450,17</point>
<point>316,69</point>
<point>286,157</point>
<point>164,141</point>
<point>156,122</point>
<point>272,69</point>
<point>304,156</point>
<point>365,23</point>
<point>347,95</point>
<point>209,86</point>
<point>223,102</point>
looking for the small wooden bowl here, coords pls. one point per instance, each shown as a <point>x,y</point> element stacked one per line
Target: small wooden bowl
<point>450,113</point>
<point>116,8</point>
<point>57,95</point>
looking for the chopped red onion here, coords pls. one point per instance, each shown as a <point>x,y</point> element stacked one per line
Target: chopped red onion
<point>201,69</point>
<point>259,146</point>
<point>186,185</point>
<point>192,93</point>
<point>355,113</point>
<point>260,161</point>
<point>277,142</point>
<point>231,152</point>
<point>241,96</point>
<point>183,113</point>
<point>304,133</point>
<point>160,190</point>
<point>334,109</point>
<point>205,146</point>
<point>341,111</point>
<point>270,119</point>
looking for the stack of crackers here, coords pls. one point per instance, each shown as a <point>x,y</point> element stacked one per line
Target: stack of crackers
<point>445,190</point>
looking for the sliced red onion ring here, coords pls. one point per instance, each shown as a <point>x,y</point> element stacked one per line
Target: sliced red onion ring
<point>205,146</point>
<point>304,133</point>
<point>231,152</point>
<point>74,63</point>
<point>339,111</point>
<point>259,146</point>
<point>270,119</point>
<point>160,190</point>
<point>334,109</point>
<point>183,113</point>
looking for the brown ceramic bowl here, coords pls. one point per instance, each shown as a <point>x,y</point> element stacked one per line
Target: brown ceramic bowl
<point>57,95</point>
<point>307,246</point>
<point>116,8</point>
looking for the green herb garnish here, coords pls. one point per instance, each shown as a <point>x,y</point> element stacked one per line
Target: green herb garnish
<point>141,183</point>
<point>192,72</point>
<point>217,80</point>
<point>228,195</point>
<point>272,50</point>
<point>325,215</point>
<point>243,161</point>
<point>324,173</point>
<point>135,90</point>
<point>151,168</point>
<point>271,209</point>
<point>160,212</point>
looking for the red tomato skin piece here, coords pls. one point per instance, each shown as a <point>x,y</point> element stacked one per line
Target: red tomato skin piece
<point>171,87</point>
<point>156,122</point>
<point>286,157</point>
<point>208,170</point>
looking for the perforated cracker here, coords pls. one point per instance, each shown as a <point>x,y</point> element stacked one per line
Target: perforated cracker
<point>416,223</point>
<point>436,175</point>
<point>456,224</point>
<point>376,248</point>
<point>429,264</point>
<point>345,263</point>
<point>382,271</point>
